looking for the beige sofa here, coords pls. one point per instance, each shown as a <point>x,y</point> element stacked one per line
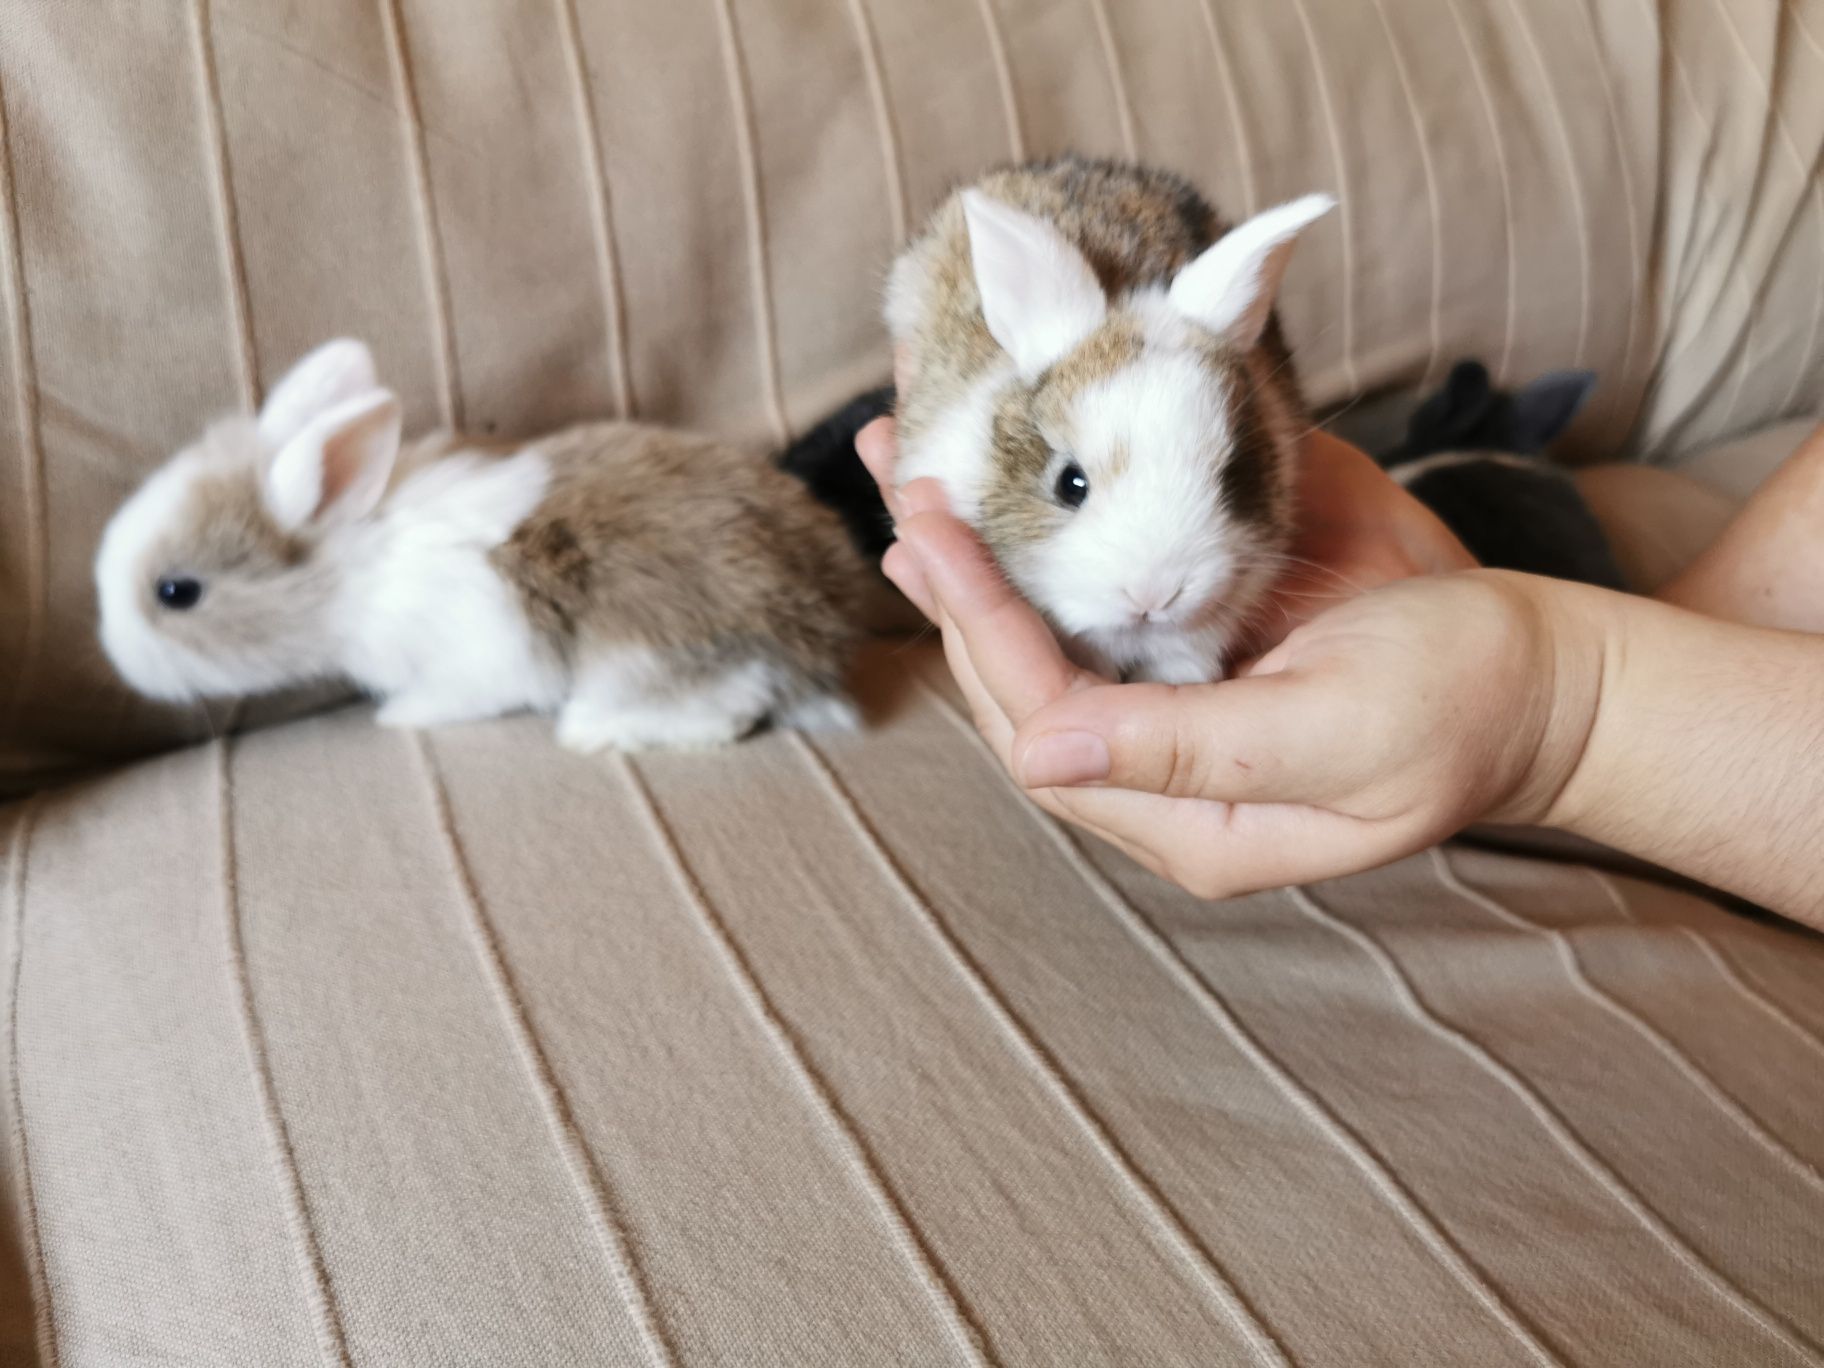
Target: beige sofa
<point>328,1045</point>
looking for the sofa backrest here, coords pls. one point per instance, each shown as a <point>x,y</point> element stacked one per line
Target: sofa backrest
<point>538,212</point>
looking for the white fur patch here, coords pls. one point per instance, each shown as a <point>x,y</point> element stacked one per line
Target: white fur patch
<point>956,449</point>
<point>630,699</point>
<point>1152,534</point>
<point>424,619</point>
<point>905,301</point>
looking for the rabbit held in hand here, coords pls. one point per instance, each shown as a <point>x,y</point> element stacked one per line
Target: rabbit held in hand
<point>1091,367</point>
<point>651,587</point>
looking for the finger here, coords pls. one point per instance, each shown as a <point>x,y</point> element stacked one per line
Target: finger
<point>923,496</point>
<point>1234,849</point>
<point>1277,738</point>
<point>877,445</point>
<point>901,565</point>
<point>990,719</point>
<point>1014,653</point>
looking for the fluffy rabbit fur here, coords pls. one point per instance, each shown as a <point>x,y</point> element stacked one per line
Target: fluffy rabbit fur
<point>653,588</point>
<point>1092,368</point>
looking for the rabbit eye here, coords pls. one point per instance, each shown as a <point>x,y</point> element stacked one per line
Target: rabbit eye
<point>1072,486</point>
<point>179,593</point>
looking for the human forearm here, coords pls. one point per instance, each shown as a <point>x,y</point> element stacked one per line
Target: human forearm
<point>1705,751</point>
<point>1767,568</point>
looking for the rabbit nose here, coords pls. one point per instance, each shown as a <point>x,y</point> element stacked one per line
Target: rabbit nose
<point>1154,599</point>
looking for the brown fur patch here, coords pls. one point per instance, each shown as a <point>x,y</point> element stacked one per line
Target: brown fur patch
<point>1015,509</point>
<point>678,543</point>
<point>225,523</point>
<point>1248,478</point>
<point>1117,343</point>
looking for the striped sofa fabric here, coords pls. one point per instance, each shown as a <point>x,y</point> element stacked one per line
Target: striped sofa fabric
<point>324,1045</point>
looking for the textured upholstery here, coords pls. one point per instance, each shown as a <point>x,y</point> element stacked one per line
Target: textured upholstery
<point>327,1045</point>
<point>335,1045</point>
<point>539,211</point>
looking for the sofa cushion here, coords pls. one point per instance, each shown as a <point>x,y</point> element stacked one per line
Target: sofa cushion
<point>543,212</point>
<point>334,1044</point>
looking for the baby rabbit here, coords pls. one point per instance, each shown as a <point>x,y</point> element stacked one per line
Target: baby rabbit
<point>653,588</point>
<point>1092,369</point>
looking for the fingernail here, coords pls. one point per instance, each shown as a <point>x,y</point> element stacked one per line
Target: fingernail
<point>1061,759</point>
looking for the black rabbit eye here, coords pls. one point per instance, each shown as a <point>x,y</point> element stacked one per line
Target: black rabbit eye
<point>179,593</point>
<point>1072,486</point>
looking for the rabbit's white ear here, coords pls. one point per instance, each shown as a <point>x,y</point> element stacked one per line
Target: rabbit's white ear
<point>332,374</point>
<point>1039,295</point>
<point>1230,288</point>
<point>337,468</point>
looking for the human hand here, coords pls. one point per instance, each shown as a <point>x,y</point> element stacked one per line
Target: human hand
<point>1376,729</point>
<point>1356,531</point>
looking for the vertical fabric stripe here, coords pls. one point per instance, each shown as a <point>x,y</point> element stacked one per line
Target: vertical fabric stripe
<point>1682,1063</point>
<point>430,238</point>
<point>325,1314</point>
<point>221,182</point>
<point>1225,72</point>
<point>1654,444</point>
<point>1375,1170</point>
<point>746,138</point>
<point>1810,358</point>
<point>1169,1227</point>
<point>228,236</point>
<point>1327,103</point>
<point>1579,205</point>
<point>965,1331</point>
<point>1807,176</point>
<point>1124,106</point>
<point>894,170</point>
<point>27,426</point>
<point>1624,165</point>
<point>1493,115</point>
<point>1003,75</point>
<point>586,1179</point>
<point>595,170</point>
<point>1569,1143</point>
<point>43,1314</point>
<point>1431,196</point>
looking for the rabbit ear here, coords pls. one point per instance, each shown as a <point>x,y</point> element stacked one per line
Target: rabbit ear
<point>1230,288</point>
<point>1039,295</point>
<point>1450,418</point>
<point>1544,409</point>
<point>336,469</point>
<point>335,372</point>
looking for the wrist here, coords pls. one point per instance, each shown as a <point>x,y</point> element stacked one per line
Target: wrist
<point>1580,649</point>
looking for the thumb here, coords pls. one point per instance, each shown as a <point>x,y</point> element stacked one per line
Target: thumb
<point>1262,739</point>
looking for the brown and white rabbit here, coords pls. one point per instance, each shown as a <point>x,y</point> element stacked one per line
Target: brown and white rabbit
<point>651,587</point>
<point>1091,367</point>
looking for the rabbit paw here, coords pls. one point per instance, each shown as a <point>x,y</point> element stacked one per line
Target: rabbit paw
<point>588,727</point>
